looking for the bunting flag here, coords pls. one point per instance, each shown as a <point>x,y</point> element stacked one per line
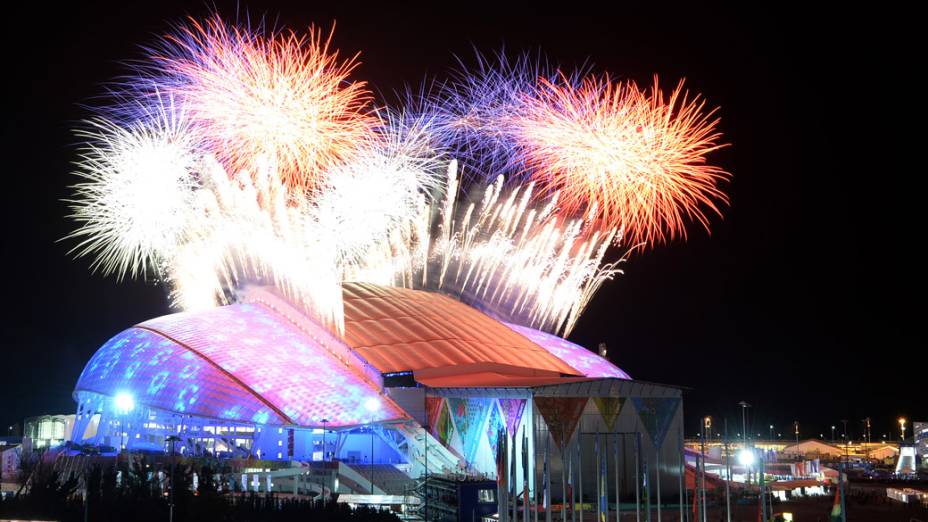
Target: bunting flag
<point>618,480</point>
<point>561,414</point>
<point>501,483</point>
<point>569,496</point>
<point>609,408</point>
<point>656,413</point>
<point>580,479</point>
<point>443,428</point>
<point>645,489</point>
<point>476,411</point>
<point>458,409</point>
<point>525,502</point>
<point>544,480</point>
<point>696,505</point>
<point>596,475</point>
<point>837,509</point>
<point>602,501</point>
<point>512,411</point>
<point>513,476</point>
<point>603,483</point>
<point>494,425</point>
<point>432,410</point>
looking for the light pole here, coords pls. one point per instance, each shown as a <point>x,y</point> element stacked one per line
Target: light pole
<point>708,424</point>
<point>796,430</point>
<point>325,470</point>
<point>744,422</point>
<point>372,405</point>
<point>124,403</point>
<point>902,427</point>
<point>771,432</point>
<point>832,433</point>
<point>171,439</point>
<point>744,426</point>
<point>727,473</point>
<point>425,487</point>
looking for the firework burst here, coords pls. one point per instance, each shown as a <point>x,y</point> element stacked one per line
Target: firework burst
<point>514,260</point>
<point>364,202</point>
<point>628,157</point>
<point>251,231</point>
<point>133,203</point>
<point>267,94</point>
<point>245,157</point>
<point>468,112</point>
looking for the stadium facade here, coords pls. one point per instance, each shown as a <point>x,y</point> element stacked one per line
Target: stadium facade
<point>419,381</point>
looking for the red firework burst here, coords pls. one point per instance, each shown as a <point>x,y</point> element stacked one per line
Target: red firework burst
<point>623,156</point>
<point>280,96</point>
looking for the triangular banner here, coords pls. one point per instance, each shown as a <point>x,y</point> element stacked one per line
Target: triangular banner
<point>656,413</point>
<point>494,425</point>
<point>512,411</point>
<point>476,411</point>
<point>561,414</point>
<point>458,409</point>
<point>432,409</point>
<point>443,428</point>
<point>609,408</point>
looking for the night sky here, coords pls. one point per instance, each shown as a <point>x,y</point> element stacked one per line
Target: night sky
<point>803,301</point>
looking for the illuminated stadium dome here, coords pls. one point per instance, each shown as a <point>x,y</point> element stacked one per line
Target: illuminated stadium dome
<point>261,363</point>
<point>258,379</point>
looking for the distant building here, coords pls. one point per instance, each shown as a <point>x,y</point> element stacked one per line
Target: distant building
<point>46,431</point>
<point>10,457</point>
<point>920,438</point>
<point>905,465</point>
<point>813,448</point>
<point>883,452</point>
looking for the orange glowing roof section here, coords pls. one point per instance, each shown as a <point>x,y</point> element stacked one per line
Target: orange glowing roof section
<point>397,329</point>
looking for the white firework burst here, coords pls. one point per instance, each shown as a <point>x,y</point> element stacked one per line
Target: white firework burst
<point>365,202</point>
<point>138,180</point>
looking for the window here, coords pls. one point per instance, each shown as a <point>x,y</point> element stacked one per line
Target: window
<point>485,496</point>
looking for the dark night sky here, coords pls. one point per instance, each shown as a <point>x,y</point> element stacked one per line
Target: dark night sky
<point>795,303</point>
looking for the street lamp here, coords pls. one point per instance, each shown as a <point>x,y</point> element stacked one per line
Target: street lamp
<point>902,427</point>
<point>372,405</point>
<point>744,422</point>
<point>771,432</point>
<point>124,403</point>
<point>796,430</point>
<point>746,458</point>
<point>708,424</point>
<point>832,433</point>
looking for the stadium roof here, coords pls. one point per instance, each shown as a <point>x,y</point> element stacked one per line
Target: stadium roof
<point>261,361</point>
<point>396,329</point>
<point>242,362</point>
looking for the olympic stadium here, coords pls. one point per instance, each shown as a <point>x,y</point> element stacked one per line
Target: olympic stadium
<point>419,384</point>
